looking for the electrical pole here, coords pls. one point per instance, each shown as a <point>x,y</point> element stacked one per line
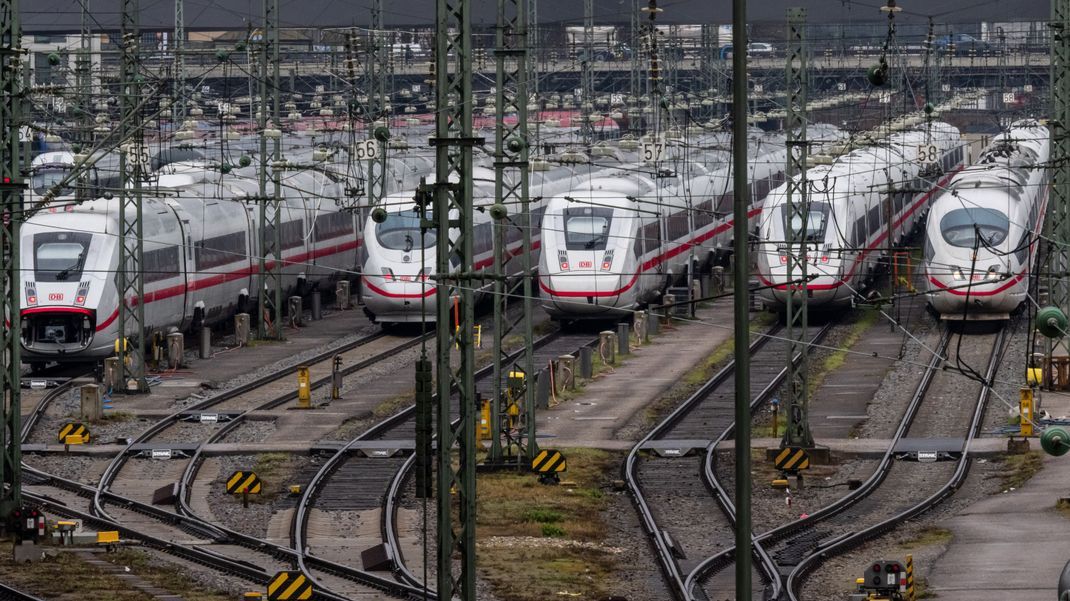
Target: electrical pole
<point>179,108</point>
<point>131,170</point>
<point>587,74</point>
<point>270,267</point>
<point>511,143</point>
<point>82,66</point>
<point>797,429</point>
<point>454,278</point>
<point>1057,225</point>
<point>11,197</point>
<point>741,300</point>
<point>378,67</point>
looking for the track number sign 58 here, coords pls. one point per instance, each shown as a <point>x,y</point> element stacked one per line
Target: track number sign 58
<point>367,150</point>
<point>928,153</point>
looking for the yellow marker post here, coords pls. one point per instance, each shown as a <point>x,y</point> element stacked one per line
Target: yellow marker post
<point>911,594</point>
<point>1025,411</point>
<point>304,387</point>
<point>484,421</point>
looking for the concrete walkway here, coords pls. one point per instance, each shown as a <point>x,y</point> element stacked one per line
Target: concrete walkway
<point>1010,546</point>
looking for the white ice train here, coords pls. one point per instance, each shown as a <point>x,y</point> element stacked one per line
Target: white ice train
<point>201,239</point>
<point>847,225</point>
<point>984,228</point>
<point>397,259</point>
<point>617,242</point>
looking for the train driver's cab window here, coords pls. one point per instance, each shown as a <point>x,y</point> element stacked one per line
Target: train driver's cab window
<point>809,224</point>
<point>401,231</point>
<point>962,227</point>
<point>587,228</point>
<point>59,256</point>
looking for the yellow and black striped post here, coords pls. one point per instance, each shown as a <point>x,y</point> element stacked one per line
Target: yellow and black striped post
<point>548,463</point>
<point>911,594</point>
<point>74,429</point>
<point>288,585</point>
<point>792,459</point>
<point>244,484</point>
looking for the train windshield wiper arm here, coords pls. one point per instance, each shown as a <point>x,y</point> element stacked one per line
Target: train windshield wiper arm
<point>593,241</point>
<point>62,274</point>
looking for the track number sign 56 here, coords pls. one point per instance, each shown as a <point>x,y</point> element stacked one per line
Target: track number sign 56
<point>650,152</point>
<point>928,153</point>
<point>367,150</point>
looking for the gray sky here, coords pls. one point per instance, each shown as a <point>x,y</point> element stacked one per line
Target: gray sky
<point>65,15</point>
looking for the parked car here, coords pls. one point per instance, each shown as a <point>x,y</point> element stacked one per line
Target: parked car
<point>962,44</point>
<point>755,49</point>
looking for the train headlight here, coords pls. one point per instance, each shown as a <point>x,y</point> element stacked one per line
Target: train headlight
<point>607,260</point>
<point>957,274</point>
<point>388,274</point>
<point>993,273</point>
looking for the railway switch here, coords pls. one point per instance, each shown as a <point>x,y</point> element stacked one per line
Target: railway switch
<point>304,387</point>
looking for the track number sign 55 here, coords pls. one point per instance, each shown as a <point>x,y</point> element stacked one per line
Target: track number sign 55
<point>366,150</point>
<point>650,152</point>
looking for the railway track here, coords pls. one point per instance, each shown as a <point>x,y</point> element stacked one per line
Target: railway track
<point>374,486</point>
<point>161,524</point>
<point>797,547</point>
<point>666,490</point>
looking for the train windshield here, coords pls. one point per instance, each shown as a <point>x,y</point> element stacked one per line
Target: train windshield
<point>809,224</point>
<point>59,256</point>
<point>45,178</point>
<point>587,228</point>
<point>961,227</point>
<point>401,231</point>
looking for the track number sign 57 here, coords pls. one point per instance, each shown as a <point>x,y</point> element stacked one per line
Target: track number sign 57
<point>650,152</point>
<point>928,153</point>
<point>366,150</point>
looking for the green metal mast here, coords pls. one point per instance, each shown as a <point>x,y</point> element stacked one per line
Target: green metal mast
<point>740,294</point>
<point>511,143</point>
<point>1057,224</point>
<point>454,253</point>
<point>378,70</point>
<point>178,109</point>
<point>11,197</point>
<point>587,74</point>
<point>131,169</point>
<point>270,266</point>
<point>82,66</point>
<point>797,429</point>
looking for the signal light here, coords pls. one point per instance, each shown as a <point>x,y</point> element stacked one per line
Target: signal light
<point>877,567</point>
<point>895,567</point>
<point>7,180</point>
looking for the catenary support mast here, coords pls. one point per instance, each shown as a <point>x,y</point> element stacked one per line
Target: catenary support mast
<point>11,204</point>
<point>454,300</point>
<point>511,143</point>
<point>797,429</point>
<point>132,163</point>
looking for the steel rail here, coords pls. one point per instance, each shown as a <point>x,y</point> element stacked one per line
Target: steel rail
<point>724,498</point>
<point>845,543</point>
<point>719,561</point>
<point>391,502</point>
<point>662,548</point>
<point>299,525</point>
<point>112,471</point>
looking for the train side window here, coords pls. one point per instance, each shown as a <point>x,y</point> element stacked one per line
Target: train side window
<point>160,264</point>
<point>703,214</point>
<point>220,250</point>
<point>484,238</point>
<point>333,225</point>
<point>874,218</point>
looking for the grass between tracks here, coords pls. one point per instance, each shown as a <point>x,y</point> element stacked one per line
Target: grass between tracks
<point>540,542</point>
<point>1018,469</point>
<point>68,577</point>
<point>275,471</point>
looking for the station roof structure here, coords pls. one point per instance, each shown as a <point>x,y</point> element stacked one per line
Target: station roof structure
<point>58,16</point>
